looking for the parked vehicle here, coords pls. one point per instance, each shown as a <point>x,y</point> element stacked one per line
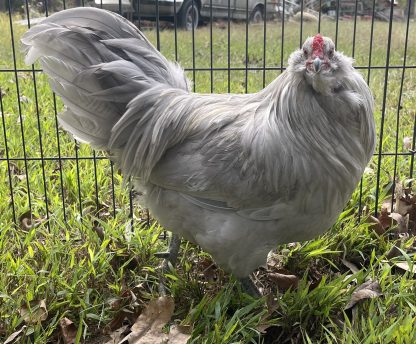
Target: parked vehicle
<point>190,13</point>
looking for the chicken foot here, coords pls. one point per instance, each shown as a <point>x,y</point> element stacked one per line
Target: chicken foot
<point>249,287</point>
<point>171,257</point>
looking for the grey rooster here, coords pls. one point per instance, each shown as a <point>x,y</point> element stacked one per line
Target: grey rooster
<point>236,174</point>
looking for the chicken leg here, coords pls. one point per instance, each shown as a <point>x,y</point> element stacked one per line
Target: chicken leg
<point>171,257</point>
<point>249,287</point>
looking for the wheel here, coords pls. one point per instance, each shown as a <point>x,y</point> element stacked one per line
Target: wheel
<point>257,15</point>
<point>189,15</point>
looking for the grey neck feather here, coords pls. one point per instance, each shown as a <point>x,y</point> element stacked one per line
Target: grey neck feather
<point>329,138</point>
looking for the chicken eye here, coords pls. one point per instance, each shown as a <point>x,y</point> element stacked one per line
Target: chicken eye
<point>331,53</point>
<point>305,52</point>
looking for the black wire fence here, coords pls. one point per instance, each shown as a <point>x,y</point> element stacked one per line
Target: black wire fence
<point>54,180</point>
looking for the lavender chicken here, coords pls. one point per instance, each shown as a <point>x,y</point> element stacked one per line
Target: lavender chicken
<point>236,174</point>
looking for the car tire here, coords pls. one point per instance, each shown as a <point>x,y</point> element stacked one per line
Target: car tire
<point>185,15</point>
<point>257,15</point>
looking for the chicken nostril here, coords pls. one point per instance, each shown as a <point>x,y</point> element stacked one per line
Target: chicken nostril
<point>317,64</point>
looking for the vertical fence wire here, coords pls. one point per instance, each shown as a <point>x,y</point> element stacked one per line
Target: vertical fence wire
<point>319,15</point>
<point>229,46</point>
<point>19,106</point>
<point>175,32</point>
<point>354,32</point>
<point>264,41</point>
<point>193,45</point>
<point>246,51</point>
<point>58,144</point>
<point>211,49</point>
<point>42,161</point>
<point>383,112</point>
<point>6,148</point>
<point>399,103</point>
<point>337,25</point>
<point>282,45</point>
<point>301,25</point>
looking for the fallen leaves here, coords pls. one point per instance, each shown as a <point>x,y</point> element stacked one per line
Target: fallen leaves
<point>149,326</point>
<point>367,290</point>
<point>179,334</point>
<point>68,331</point>
<point>354,269</point>
<point>407,143</point>
<point>118,335</point>
<point>284,281</point>
<point>16,171</point>
<point>397,218</point>
<point>405,266</point>
<point>126,308</point>
<point>34,313</point>
<point>15,336</point>
<point>272,306</point>
<point>28,221</point>
<point>209,270</point>
<point>280,277</point>
<point>397,213</point>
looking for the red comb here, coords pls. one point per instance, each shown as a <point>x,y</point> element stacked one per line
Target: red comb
<point>318,44</point>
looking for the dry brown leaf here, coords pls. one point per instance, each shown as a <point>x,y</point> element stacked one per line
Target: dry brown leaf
<point>28,220</point>
<point>263,327</point>
<point>354,269</point>
<point>376,225</point>
<point>406,267</point>
<point>284,282</point>
<point>117,336</point>
<point>407,143</point>
<point>99,231</point>
<point>384,219</point>
<point>68,331</point>
<point>274,260</point>
<point>179,334</point>
<point>148,326</point>
<point>402,222</point>
<point>209,270</point>
<point>367,290</point>
<point>272,305</point>
<point>14,336</point>
<point>387,205</point>
<point>126,308</point>
<point>2,329</point>
<point>24,99</point>
<point>116,322</point>
<point>402,207</point>
<point>394,252</point>
<point>34,314</point>
<point>403,199</point>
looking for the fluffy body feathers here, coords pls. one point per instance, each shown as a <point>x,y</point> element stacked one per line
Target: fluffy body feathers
<point>237,174</point>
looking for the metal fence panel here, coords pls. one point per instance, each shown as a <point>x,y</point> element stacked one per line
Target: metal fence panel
<point>51,177</point>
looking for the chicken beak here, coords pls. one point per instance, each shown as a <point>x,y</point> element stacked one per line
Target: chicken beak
<point>317,64</point>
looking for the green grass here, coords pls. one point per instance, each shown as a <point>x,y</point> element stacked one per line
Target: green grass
<point>61,259</point>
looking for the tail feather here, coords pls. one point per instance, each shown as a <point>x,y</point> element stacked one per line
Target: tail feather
<point>97,62</point>
<point>84,129</point>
